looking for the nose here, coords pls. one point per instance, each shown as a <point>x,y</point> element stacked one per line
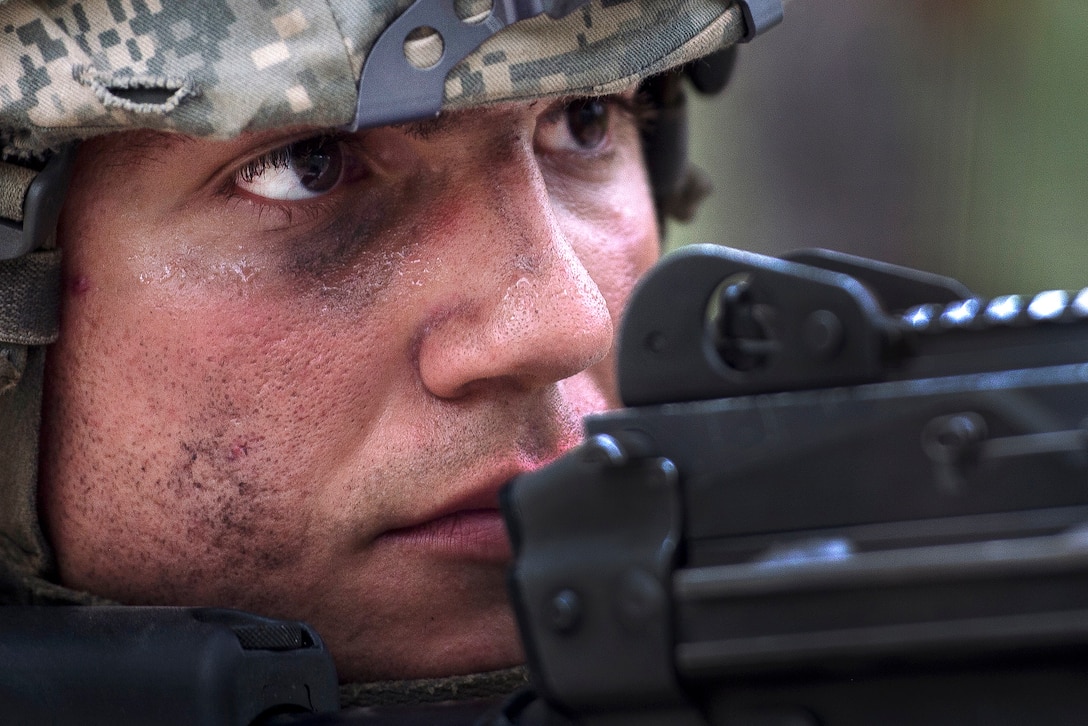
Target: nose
<point>526,311</point>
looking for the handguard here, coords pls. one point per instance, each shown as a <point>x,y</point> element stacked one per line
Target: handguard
<point>843,493</point>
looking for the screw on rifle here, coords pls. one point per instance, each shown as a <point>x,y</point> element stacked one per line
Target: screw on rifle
<point>823,334</point>
<point>953,444</point>
<point>741,327</point>
<point>639,599</point>
<point>565,611</point>
<point>603,449</point>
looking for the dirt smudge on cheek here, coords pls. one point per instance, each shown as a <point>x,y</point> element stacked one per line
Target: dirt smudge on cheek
<point>235,524</point>
<point>370,252</point>
<point>350,259</point>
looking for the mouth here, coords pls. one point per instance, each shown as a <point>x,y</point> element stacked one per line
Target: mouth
<point>468,527</point>
<point>465,534</point>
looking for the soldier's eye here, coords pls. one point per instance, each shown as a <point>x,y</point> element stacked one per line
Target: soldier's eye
<point>588,122</point>
<point>301,170</point>
<point>590,126</point>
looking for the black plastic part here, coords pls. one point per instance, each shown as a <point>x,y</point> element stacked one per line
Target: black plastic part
<point>41,208</point>
<point>1010,691</point>
<point>664,334</point>
<point>591,580</point>
<point>897,287</point>
<point>801,326</point>
<point>392,90</point>
<point>140,665</point>
<point>710,74</point>
<point>903,550</point>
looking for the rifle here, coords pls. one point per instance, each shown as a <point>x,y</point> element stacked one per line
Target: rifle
<point>841,493</point>
<point>158,665</point>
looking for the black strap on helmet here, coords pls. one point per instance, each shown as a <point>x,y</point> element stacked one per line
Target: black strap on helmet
<point>30,287</point>
<point>678,186</point>
<point>30,203</point>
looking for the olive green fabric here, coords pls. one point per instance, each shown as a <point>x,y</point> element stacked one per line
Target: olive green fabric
<point>20,385</point>
<point>23,553</point>
<point>71,70</point>
<point>14,181</point>
<point>30,305</point>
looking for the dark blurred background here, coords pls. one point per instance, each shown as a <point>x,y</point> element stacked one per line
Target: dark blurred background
<point>942,134</point>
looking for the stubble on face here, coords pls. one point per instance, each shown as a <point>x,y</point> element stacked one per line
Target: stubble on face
<point>247,435</point>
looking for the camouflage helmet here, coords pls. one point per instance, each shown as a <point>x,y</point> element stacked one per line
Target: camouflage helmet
<point>74,69</point>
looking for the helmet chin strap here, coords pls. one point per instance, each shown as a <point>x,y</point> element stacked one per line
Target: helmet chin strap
<point>30,276</point>
<point>679,186</point>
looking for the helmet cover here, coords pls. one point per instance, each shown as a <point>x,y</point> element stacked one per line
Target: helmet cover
<point>217,68</point>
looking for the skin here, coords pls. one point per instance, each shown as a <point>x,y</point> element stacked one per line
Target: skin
<point>306,408</point>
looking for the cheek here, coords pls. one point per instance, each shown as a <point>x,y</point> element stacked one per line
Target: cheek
<point>267,384</point>
<point>210,431</point>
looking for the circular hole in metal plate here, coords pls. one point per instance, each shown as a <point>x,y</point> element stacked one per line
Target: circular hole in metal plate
<point>423,47</point>
<point>741,329</point>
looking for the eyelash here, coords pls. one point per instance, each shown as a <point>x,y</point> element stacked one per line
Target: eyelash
<point>638,106</point>
<point>284,212</point>
<point>275,159</point>
<point>278,158</point>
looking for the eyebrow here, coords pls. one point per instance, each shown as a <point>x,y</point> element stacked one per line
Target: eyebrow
<point>140,146</point>
<point>428,128</point>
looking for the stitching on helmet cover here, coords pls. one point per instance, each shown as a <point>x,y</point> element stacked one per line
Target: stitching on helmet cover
<point>106,88</point>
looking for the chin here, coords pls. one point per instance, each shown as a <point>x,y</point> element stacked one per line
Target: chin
<point>488,646</point>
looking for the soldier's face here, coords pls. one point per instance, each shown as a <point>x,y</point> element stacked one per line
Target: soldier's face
<point>294,371</point>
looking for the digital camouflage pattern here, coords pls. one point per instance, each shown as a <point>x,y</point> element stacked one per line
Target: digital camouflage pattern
<point>74,69</point>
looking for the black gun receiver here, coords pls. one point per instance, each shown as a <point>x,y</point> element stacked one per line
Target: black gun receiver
<point>842,493</point>
<point>158,665</point>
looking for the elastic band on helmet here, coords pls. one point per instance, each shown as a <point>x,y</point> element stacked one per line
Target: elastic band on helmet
<point>394,89</point>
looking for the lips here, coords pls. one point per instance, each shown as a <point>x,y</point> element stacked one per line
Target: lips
<point>467,534</point>
<point>469,528</point>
